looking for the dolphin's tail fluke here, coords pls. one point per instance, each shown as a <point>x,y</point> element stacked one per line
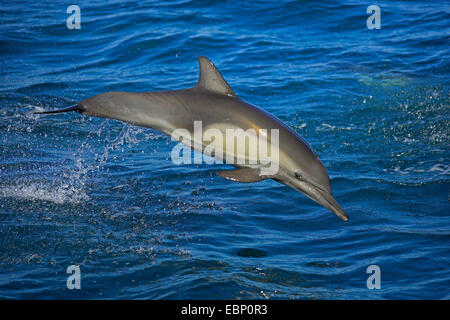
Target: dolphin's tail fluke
<point>75,107</point>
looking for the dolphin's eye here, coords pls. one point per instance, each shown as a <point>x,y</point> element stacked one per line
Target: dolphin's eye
<point>299,176</point>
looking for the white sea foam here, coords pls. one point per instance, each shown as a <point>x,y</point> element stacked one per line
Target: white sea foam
<point>438,169</point>
<point>442,168</point>
<point>39,191</point>
<point>326,126</point>
<point>69,185</point>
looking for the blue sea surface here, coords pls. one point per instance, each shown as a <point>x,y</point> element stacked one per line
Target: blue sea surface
<point>106,196</point>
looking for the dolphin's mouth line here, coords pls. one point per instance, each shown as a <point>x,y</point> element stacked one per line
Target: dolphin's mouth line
<point>320,196</point>
<point>333,205</point>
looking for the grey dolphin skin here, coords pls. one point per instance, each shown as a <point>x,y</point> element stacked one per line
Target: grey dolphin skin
<point>213,102</point>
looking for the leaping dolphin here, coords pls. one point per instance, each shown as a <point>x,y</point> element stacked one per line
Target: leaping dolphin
<point>213,102</point>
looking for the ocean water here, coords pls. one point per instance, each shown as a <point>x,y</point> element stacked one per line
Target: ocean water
<point>104,195</point>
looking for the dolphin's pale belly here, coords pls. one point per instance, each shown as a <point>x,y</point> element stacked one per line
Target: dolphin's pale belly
<point>233,145</point>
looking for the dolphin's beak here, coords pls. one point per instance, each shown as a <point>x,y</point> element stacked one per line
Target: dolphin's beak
<point>75,107</point>
<point>327,200</point>
<point>319,195</point>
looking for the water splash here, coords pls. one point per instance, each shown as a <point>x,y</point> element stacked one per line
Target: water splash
<point>67,183</point>
<point>59,193</point>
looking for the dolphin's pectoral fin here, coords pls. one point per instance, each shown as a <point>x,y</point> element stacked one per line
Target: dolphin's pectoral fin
<point>244,175</point>
<point>211,79</point>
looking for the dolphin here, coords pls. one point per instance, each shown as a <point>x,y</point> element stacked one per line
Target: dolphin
<point>213,102</point>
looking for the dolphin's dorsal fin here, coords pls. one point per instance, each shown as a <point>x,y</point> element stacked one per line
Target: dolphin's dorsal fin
<point>211,79</point>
